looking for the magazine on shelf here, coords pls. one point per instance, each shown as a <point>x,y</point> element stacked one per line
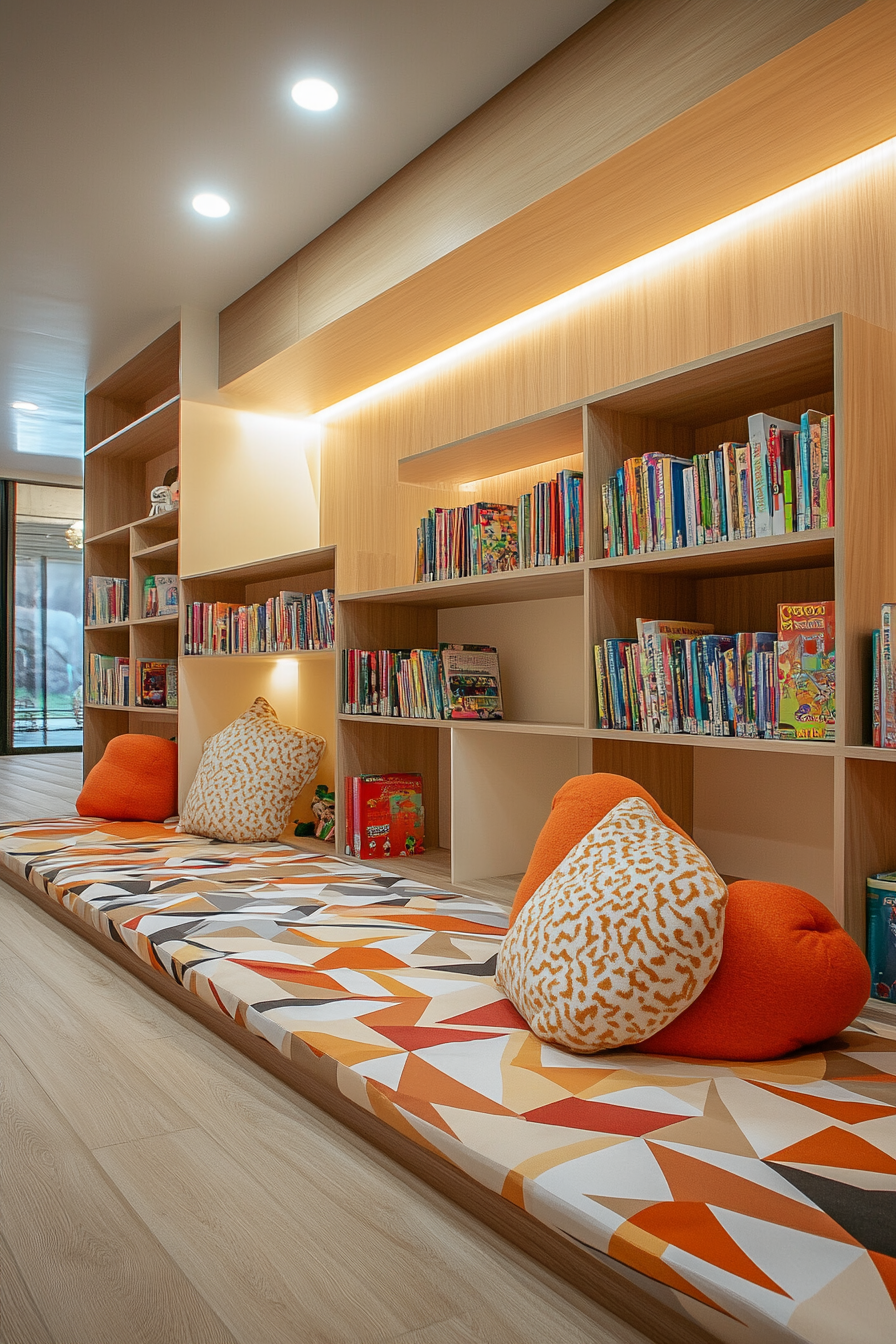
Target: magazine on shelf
<point>471,681</point>
<point>806,671</point>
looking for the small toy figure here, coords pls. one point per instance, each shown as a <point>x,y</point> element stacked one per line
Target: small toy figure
<point>324,808</point>
<point>160,501</point>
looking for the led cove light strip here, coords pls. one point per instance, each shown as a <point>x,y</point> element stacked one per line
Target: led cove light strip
<point>836,176</point>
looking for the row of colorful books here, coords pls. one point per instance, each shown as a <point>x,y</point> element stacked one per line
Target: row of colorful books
<point>283,624</point>
<point>160,595</point>
<point>384,816</point>
<point>781,481</point>
<point>109,682</point>
<point>883,679</point>
<point>543,528</point>
<point>455,681</point>
<point>107,601</point>
<point>682,677</point>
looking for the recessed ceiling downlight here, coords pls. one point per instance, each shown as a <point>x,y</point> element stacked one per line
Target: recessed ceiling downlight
<point>215,207</point>
<point>316,95</point>
<point>23,405</point>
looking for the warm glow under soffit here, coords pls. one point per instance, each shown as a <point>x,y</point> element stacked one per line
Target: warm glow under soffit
<point>829,179</point>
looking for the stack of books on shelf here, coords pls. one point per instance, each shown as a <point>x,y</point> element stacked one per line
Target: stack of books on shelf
<point>160,595</point>
<point>155,683</point>
<point>455,681</point>
<point>107,601</point>
<point>682,677</point>
<point>384,816</point>
<point>288,623</point>
<point>543,528</point>
<point>781,481</point>
<point>108,680</point>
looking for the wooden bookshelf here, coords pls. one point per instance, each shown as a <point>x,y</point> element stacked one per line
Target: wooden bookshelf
<point>299,683</point>
<point>132,429</point>
<point>491,783</point>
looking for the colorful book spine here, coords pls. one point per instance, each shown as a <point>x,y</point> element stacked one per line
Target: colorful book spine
<point>687,680</point>
<point>781,481</point>
<point>107,680</point>
<point>287,623</point>
<point>806,653</point>
<point>880,924</point>
<point>106,601</point>
<point>888,673</point>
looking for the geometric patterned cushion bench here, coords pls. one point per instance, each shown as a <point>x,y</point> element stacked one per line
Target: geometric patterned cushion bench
<point>759,1200</point>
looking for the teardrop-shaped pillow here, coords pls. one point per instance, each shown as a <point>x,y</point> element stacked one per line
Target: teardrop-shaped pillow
<point>620,938</point>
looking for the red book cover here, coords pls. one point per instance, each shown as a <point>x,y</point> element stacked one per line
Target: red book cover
<point>388,815</point>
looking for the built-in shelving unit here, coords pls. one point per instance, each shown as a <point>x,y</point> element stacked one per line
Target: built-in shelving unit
<point>132,426</point>
<point>757,806</point>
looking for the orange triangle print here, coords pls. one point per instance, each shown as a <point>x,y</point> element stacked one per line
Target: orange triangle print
<point>690,1179</point>
<point>420,1079</point>
<point>836,1148</point>
<point>692,1227</point>
<point>639,1250</point>
<point>850,1112</point>
<point>716,1129</point>
<point>886,1268</point>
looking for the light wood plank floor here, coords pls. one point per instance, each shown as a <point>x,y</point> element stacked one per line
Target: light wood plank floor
<point>43,785</point>
<point>161,1189</point>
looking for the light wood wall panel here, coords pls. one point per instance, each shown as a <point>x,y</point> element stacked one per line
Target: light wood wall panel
<point>835,251</point>
<point>747,141</point>
<point>633,68</point>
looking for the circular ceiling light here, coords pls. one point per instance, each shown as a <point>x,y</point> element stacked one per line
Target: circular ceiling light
<point>214,207</point>
<point>23,405</point>
<point>316,95</point>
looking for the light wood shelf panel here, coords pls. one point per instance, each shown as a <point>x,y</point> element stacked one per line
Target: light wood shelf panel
<point>472,725</point>
<point>767,745</point>
<point>156,713</point>
<point>156,620</point>
<point>884,755</point>
<point>518,585</point>
<point>143,439</point>
<point>750,139</point>
<point>107,625</point>
<point>115,536</point>
<point>158,551</point>
<point>263,571</point>
<point>540,439</point>
<point>798,550</point>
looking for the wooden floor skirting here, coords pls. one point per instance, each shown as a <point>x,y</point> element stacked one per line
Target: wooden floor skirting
<point>576,1265</point>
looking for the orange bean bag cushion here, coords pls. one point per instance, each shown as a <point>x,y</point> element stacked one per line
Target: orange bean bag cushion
<point>577,807</point>
<point>136,780</point>
<point>789,976</point>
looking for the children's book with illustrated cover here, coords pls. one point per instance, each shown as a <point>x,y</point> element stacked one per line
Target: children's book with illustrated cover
<point>495,528</point>
<point>880,908</point>
<point>384,816</point>
<point>806,671</point>
<point>471,681</point>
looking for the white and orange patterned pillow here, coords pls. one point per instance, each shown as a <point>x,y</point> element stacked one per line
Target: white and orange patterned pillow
<point>249,777</point>
<point>620,939</point>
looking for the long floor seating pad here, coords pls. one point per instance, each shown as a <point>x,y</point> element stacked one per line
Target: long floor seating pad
<point>756,1201</point>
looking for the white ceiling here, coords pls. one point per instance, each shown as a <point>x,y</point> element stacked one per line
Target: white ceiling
<point>115,113</point>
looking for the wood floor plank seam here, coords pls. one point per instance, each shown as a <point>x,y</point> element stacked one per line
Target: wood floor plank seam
<point>8,1257</point>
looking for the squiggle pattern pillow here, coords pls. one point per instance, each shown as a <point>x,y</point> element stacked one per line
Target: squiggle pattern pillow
<point>622,936</point>
<point>249,777</point>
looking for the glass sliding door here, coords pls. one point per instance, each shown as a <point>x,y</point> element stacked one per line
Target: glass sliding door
<point>45,605</point>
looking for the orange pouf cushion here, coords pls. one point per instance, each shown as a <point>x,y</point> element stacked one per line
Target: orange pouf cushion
<point>789,976</point>
<point>136,780</point>
<point>577,807</point>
